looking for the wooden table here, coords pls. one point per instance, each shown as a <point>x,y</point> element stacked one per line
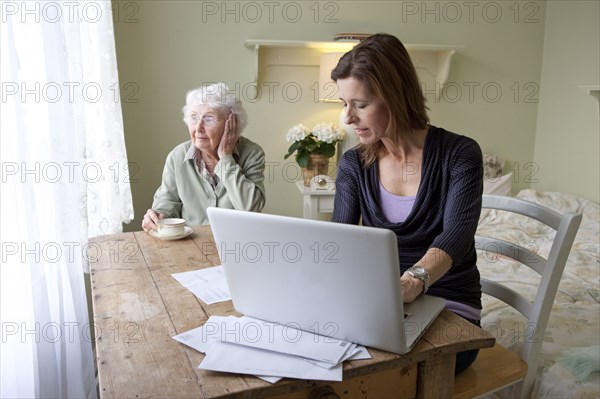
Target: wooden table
<point>138,306</point>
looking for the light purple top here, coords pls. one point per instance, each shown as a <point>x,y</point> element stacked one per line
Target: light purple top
<point>396,208</point>
<point>463,310</point>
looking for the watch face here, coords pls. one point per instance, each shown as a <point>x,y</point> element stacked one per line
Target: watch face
<point>418,271</point>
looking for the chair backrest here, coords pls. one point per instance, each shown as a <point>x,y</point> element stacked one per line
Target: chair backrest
<point>549,269</point>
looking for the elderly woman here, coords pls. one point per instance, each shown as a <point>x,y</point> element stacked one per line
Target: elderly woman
<point>217,167</point>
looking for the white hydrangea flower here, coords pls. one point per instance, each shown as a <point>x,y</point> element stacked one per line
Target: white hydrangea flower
<point>328,132</point>
<point>296,133</point>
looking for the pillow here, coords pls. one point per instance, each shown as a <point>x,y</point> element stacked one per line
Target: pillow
<point>496,186</point>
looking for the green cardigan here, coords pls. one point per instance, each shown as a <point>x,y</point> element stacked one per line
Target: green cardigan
<point>185,193</point>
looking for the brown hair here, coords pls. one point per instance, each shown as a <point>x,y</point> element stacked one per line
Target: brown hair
<point>383,65</point>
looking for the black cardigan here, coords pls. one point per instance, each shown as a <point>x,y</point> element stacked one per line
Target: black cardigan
<point>444,215</point>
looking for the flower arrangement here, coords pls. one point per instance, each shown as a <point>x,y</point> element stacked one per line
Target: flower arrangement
<point>320,140</point>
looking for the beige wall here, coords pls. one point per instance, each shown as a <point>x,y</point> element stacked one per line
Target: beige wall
<point>165,48</point>
<point>567,142</point>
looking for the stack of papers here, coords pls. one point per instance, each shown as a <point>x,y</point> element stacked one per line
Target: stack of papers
<point>268,350</point>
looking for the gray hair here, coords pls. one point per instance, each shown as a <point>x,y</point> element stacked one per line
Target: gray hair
<point>216,95</point>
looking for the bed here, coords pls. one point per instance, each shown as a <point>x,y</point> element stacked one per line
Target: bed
<point>568,364</point>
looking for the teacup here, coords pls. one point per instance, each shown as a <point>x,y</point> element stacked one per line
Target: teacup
<point>171,227</point>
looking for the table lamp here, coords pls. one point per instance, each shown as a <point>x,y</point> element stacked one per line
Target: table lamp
<point>328,93</point>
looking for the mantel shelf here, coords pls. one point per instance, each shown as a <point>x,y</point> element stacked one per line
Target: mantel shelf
<point>431,61</point>
<point>593,90</point>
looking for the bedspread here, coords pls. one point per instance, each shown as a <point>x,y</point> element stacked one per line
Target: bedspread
<point>575,318</point>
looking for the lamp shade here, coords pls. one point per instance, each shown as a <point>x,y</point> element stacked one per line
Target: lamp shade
<point>328,91</point>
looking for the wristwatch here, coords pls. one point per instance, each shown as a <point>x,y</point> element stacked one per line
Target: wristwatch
<point>422,274</point>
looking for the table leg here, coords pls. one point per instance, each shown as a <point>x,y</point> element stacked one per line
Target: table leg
<point>310,207</point>
<point>435,378</point>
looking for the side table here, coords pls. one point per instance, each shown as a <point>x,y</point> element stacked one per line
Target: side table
<point>315,201</point>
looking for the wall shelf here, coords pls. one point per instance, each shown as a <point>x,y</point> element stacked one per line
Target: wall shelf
<point>593,91</point>
<point>432,62</point>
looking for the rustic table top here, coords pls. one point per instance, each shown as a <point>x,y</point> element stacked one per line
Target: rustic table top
<point>138,306</point>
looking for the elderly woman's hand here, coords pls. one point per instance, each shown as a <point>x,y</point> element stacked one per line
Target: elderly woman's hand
<point>229,137</point>
<point>150,219</point>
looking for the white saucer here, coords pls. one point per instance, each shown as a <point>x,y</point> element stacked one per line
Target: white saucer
<point>187,232</point>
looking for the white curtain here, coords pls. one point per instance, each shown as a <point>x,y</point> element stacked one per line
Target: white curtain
<point>64,180</point>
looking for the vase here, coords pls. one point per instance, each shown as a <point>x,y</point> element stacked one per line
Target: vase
<point>317,165</point>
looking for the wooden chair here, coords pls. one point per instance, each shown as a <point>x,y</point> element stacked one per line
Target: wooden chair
<point>497,367</point>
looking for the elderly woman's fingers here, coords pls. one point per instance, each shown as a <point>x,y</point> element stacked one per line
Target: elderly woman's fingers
<point>229,137</point>
<point>150,219</point>
<point>233,119</point>
<point>230,125</point>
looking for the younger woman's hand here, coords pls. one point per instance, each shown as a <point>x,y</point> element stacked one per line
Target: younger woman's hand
<point>411,288</point>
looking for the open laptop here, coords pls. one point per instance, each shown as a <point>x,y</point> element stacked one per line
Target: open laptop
<point>333,279</point>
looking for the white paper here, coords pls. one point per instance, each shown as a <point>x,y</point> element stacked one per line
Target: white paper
<point>269,366</point>
<point>232,358</point>
<point>355,352</point>
<point>360,353</point>
<point>207,284</point>
<point>262,334</point>
<point>201,338</point>
<point>266,378</point>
